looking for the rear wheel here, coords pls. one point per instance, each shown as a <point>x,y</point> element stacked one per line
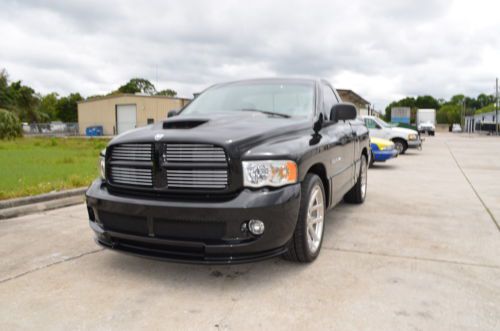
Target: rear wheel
<point>307,238</point>
<point>357,193</point>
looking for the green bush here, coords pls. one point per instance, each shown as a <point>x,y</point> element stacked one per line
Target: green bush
<point>10,126</point>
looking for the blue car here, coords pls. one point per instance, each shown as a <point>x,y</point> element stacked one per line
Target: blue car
<point>382,150</point>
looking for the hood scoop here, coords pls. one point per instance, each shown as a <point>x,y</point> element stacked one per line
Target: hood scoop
<point>182,124</point>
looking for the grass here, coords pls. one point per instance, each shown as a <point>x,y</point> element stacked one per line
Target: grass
<point>31,166</point>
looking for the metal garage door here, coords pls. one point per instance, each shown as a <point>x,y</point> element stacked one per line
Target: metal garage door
<point>125,117</point>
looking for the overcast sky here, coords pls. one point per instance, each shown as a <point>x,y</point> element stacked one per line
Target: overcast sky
<point>383,50</point>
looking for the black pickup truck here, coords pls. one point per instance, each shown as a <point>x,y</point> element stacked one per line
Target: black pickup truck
<point>246,171</point>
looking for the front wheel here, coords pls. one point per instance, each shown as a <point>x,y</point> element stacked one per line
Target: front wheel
<point>357,193</point>
<point>308,235</point>
<point>372,160</point>
<point>400,145</point>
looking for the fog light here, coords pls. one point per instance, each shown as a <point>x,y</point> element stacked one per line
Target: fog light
<point>256,227</point>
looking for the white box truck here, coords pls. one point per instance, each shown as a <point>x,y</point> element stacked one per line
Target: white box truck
<point>426,121</point>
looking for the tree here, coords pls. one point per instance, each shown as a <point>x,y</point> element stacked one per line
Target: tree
<point>10,126</point>
<point>25,102</point>
<point>426,101</point>
<point>457,99</point>
<point>167,92</point>
<point>48,106</point>
<point>407,102</point>
<point>67,107</point>
<point>449,114</point>
<point>484,100</point>
<point>138,85</point>
<point>5,96</point>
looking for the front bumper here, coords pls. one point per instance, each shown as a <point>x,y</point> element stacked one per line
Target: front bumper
<point>198,232</point>
<point>384,155</point>
<point>415,143</point>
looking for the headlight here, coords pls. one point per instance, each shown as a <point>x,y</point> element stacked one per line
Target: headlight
<point>412,136</point>
<point>102,163</point>
<point>269,173</point>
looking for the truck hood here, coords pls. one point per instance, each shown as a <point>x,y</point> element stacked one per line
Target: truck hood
<point>240,129</point>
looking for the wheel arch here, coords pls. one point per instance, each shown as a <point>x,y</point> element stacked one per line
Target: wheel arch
<point>399,138</point>
<point>365,153</point>
<point>319,170</point>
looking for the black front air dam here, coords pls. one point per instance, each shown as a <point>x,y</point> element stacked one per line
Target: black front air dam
<point>200,232</point>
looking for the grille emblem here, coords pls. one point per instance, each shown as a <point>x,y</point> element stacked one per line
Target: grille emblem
<point>158,136</point>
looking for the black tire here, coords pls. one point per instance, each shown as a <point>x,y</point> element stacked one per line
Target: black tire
<point>403,143</point>
<point>356,194</point>
<point>298,247</point>
<point>372,160</point>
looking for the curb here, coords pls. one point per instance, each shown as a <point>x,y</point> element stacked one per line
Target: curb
<point>11,203</point>
<point>39,203</point>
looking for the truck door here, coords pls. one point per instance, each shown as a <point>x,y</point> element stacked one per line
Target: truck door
<point>340,148</point>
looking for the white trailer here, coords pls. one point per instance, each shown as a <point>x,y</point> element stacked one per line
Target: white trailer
<point>426,121</point>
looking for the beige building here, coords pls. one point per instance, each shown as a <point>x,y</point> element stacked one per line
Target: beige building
<point>122,112</point>
<point>360,103</point>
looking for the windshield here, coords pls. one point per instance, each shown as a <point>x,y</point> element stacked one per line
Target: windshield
<point>283,99</point>
<point>383,123</point>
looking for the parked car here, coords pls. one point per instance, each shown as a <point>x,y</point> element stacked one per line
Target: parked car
<point>382,150</point>
<point>456,128</point>
<point>246,171</point>
<point>403,138</point>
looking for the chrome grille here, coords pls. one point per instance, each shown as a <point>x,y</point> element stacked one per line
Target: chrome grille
<point>131,176</point>
<point>132,152</point>
<point>194,166</point>
<point>210,179</point>
<point>186,153</point>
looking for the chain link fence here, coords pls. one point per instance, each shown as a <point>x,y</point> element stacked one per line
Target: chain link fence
<point>51,129</point>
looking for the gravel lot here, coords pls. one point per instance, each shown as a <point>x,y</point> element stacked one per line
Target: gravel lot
<point>423,253</point>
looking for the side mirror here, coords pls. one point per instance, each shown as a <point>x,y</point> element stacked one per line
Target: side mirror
<point>172,113</point>
<point>343,111</point>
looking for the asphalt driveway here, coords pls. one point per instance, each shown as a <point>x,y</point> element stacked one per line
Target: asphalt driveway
<point>423,253</point>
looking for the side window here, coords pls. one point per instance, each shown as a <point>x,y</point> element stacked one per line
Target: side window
<point>371,124</point>
<point>329,99</point>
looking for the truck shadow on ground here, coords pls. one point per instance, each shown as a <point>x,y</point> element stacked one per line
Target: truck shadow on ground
<point>268,272</point>
<point>382,166</point>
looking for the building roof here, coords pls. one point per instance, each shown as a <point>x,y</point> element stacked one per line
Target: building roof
<point>351,96</point>
<point>120,95</point>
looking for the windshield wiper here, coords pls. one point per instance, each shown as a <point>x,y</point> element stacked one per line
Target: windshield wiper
<point>265,112</point>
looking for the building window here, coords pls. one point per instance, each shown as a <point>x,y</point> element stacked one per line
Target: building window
<point>151,121</point>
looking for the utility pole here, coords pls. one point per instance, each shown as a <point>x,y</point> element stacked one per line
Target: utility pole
<point>462,119</point>
<point>496,107</point>
<point>157,82</point>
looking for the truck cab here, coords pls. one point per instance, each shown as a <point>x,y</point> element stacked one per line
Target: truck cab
<point>426,121</point>
<point>244,172</point>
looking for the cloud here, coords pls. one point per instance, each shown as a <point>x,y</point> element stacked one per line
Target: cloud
<point>383,50</point>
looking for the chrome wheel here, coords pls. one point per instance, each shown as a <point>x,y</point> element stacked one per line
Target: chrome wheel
<point>315,219</point>
<point>364,177</point>
<point>399,147</point>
